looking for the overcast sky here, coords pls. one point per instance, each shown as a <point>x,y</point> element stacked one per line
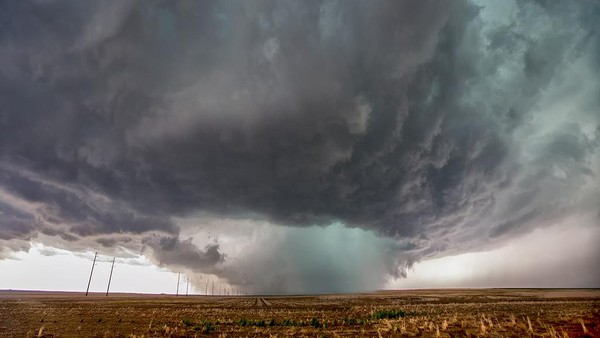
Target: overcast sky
<point>300,147</point>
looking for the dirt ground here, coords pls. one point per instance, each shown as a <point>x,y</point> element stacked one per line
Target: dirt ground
<point>407,313</point>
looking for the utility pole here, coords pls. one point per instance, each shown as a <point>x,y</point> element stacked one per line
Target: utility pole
<point>178,276</point>
<point>187,285</point>
<point>91,272</point>
<point>110,277</point>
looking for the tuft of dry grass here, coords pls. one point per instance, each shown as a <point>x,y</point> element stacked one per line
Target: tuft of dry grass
<point>403,327</point>
<point>585,330</point>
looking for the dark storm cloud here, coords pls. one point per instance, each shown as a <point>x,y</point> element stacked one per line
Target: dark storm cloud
<point>78,209</point>
<point>408,118</point>
<point>174,252</point>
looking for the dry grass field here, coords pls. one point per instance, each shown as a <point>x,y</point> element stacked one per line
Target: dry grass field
<point>411,313</point>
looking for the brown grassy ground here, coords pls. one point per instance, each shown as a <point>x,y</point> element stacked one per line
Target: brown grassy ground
<point>413,313</point>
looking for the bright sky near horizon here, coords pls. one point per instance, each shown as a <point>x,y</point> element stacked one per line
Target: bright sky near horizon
<point>506,267</point>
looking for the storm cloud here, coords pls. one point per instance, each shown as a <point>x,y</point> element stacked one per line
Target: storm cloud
<point>434,127</point>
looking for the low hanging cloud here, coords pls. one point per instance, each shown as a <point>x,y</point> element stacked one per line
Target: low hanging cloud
<point>431,127</point>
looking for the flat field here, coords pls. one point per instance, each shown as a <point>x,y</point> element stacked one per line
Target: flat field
<point>407,313</point>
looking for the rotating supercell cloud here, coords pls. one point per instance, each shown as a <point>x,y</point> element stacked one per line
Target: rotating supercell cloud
<point>287,146</point>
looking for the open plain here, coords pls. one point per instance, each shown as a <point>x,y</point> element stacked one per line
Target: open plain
<point>407,313</point>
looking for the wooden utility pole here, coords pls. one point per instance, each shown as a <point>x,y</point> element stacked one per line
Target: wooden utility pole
<point>110,277</point>
<point>91,272</point>
<point>178,276</point>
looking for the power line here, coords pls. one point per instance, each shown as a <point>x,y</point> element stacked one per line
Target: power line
<point>110,277</point>
<point>91,272</point>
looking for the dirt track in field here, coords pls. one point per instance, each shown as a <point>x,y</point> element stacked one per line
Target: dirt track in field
<point>262,303</point>
<point>411,313</point>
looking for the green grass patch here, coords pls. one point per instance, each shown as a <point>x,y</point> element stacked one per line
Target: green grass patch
<point>389,314</point>
<point>314,322</point>
<point>350,321</point>
<point>289,322</point>
<point>201,326</point>
<point>259,323</point>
